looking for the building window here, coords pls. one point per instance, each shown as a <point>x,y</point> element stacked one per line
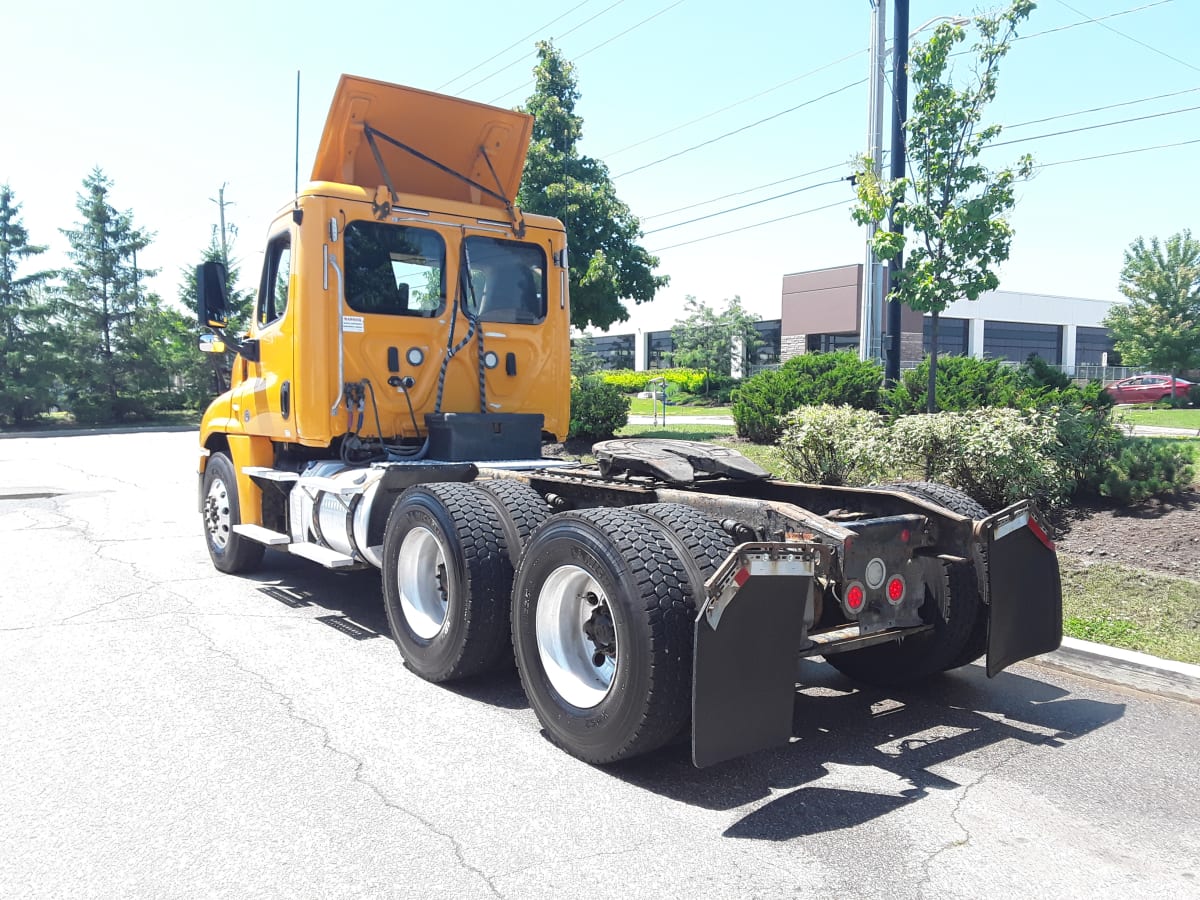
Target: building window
<point>659,347</point>
<point>770,336</point>
<point>1091,344</point>
<point>952,336</point>
<point>830,343</point>
<point>614,350</point>
<point>1015,341</point>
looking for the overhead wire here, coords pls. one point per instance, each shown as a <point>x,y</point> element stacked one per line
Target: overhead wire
<point>749,190</point>
<point>1038,137</point>
<point>603,43</point>
<point>746,205</point>
<point>1130,37</point>
<point>513,45</point>
<point>804,212</point>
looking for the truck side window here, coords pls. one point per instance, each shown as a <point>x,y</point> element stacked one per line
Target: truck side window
<point>395,270</point>
<point>508,279</point>
<point>277,270</point>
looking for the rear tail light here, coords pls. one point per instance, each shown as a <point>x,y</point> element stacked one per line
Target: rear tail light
<point>895,590</point>
<point>856,597</point>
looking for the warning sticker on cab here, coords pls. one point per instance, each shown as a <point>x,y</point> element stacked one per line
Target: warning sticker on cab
<point>352,323</point>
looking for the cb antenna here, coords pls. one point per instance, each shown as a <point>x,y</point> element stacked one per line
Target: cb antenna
<point>296,185</point>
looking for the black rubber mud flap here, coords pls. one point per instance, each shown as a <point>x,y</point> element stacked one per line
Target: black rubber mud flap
<point>748,641</point>
<point>1025,588</point>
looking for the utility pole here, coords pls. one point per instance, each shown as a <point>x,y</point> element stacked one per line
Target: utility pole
<point>221,204</point>
<point>899,155</point>
<point>870,345</point>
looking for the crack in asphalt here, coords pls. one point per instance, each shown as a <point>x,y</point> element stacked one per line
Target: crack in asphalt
<point>358,775</point>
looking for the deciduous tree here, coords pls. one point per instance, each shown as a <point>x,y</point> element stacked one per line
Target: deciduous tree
<point>950,211</point>
<point>707,339</point>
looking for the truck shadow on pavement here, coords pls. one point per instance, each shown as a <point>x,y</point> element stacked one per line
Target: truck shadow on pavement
<point>894,737</point>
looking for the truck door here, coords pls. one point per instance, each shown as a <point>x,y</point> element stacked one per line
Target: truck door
<point>263,400</point>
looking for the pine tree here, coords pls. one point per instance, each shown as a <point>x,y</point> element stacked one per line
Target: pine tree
<point>114,368</point>
<point>28,347</point>
<point>607,264</point>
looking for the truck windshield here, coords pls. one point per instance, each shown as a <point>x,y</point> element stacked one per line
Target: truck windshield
<point>508,279</point>
<point>396,270</point>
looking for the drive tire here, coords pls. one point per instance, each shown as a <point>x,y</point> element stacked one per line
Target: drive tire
<point>638,697</point>
<point>230,552</point>
<point>702,537</point>
<point>447,581</point>
<point>958,615</point>
<point>520,510</point>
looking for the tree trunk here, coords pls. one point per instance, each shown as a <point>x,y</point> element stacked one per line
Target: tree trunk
<point>931,392</point>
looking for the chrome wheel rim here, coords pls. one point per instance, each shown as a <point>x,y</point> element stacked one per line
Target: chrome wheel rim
<point>576,637</point>
<point>421,580</point>
<point>217,516</point>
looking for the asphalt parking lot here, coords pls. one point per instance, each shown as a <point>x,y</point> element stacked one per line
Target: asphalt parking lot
<point>172,732</point>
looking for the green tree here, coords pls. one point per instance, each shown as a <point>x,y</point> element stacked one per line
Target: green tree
<point>707,339</point>
<point>28,345</point>
<point>112,365</point>
<point>1160,326</point>
<point>953,206</point>
<point>607,263</point>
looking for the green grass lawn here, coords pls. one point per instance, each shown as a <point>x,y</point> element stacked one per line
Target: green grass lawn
<point>641,406</point>
<point>1163,418</point>
<point>1126,607</point>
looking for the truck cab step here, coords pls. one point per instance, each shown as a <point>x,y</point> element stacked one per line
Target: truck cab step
<point>268,474</point>
<point>330,559</point>
<point>262,535</point>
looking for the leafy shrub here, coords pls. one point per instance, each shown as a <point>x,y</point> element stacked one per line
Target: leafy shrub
<point>1146,469</point>
<point>1193,395</point>
<point>690,380</point>
<point>997,456</point>
<point>834,444</point>
<point>963,382</point>
<point>812,379</point>
<point>598,409</point>
<point>1088,442</point>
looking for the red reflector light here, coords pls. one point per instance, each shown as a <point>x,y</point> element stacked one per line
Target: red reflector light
<point>895,589</point>
<point>905,535</point>
<point>742,575</point>
<point>855,595</point>
<point>1040,534</point>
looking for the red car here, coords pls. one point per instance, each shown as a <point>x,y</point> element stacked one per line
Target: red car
<point>1146,389</point>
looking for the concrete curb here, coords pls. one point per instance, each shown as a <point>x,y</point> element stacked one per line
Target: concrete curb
<point>1127,668</point>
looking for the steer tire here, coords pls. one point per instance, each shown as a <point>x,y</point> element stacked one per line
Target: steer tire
<point>447,581</point>
<point>231,552</point>
<point>623,569</point>
<point>954,608</point>
<point>520,510</point>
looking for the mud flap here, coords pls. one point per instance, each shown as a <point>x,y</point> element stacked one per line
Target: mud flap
<point>748,639</point>
<point>1024,587</point>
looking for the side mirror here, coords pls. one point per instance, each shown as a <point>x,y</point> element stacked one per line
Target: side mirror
<point>213,302</point>
<point>210,343</point>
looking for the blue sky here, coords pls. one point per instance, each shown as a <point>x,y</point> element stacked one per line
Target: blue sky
<point>173,100</point>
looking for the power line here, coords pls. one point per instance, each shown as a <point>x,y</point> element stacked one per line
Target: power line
<point>596,47</point>
<point>1063,162</point>
<point>735,104</point>
<point>1038,137</point>
<point>747,205</point>
<point>527,55</point>
<point>1102,108</point>
<point>1096,21</point>
<point>721,137</point>
<point>514,44</point>
<point>749,190</point>
<point>1130,37</point>
<point>755,225</point>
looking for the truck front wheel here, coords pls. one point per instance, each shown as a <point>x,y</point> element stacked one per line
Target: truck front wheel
<point>602,631</point>
<point>446,581</point>
<point>231,553</point>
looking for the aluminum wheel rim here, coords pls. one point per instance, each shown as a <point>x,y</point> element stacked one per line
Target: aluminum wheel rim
<point>217,516</point>
<point>421,579</point>
<point>566,651</point>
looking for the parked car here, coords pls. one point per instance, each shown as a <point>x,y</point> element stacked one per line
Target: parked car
<point>1146,389</point>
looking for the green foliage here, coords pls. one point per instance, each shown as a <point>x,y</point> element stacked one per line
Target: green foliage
<point>704,338</point>
<point>1088,441</point>
<point>584,359</point>
<point>607,263</point>
<point>29,337</point>
<point>597,409</point>
<point>811,379</point>
<point>834,445</point>
<point>997,456</point>
<point>954,207</point>
<point>963,382</point>
<point>1160,326</point>
<point>1193,395</point>
<point>690,380</point>
<point>1146,469</point>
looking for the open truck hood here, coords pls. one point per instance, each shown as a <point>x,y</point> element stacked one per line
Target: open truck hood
<point>451,131</point>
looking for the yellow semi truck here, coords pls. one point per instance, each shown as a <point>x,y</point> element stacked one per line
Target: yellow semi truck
<point>408,355</point>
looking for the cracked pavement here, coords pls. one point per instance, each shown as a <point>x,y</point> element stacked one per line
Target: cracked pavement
<point>172,732</point>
